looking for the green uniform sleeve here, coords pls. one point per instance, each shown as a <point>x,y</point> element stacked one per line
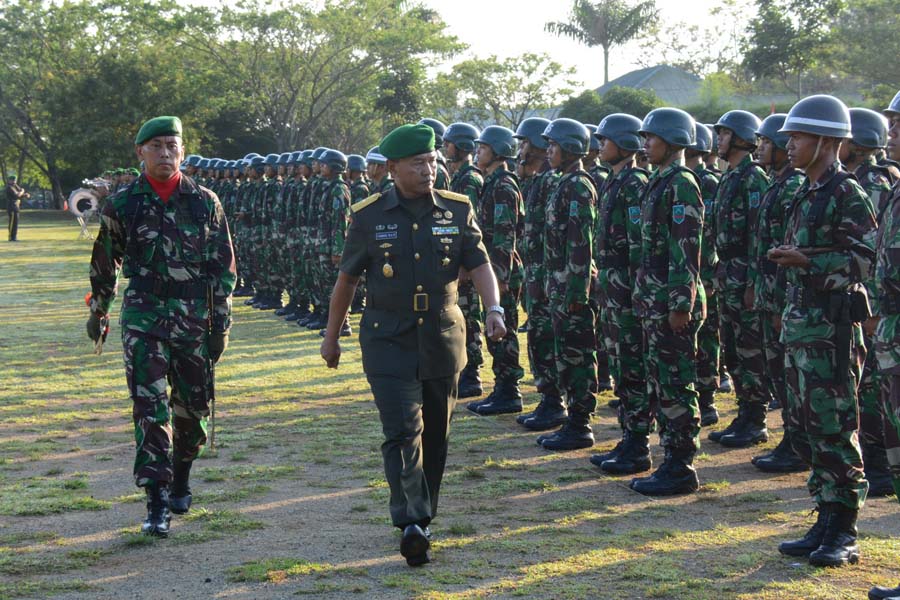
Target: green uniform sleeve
<point>686,230</point>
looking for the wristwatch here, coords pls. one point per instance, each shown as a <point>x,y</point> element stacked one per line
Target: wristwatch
<point>495,308</point>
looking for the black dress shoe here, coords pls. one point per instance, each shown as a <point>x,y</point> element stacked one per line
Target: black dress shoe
<point>414,546</point>
<point>883,593</point>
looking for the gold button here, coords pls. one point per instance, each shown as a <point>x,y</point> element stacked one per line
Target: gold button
<point>415,226</point>
<point>375,325</point>
<point>387,254</point>
<point>418,256</point>
<point>418,288</point>
<point>446,248</point>
<point>421,320</point>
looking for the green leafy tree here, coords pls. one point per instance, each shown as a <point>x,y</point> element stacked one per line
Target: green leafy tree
<point>607,23</point>
<point>864,35</point>
<point>584,107</point>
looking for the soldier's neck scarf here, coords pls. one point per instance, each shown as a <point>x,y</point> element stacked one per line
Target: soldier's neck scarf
<point>165,189</point>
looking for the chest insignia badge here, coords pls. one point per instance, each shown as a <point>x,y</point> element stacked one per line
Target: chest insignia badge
<point>448,214</point>
<point>392,226</point>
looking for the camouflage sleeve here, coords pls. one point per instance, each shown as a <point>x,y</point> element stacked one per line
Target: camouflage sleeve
<point>878,189</point>
<point>505,219</point>
<point>778,297</point>
<point>221,268</point>
<point>708,258</point>
<point>684,243</point>
<point>855,238</point>
<point>582,198</point>
<point>887,276</point>
<point>634,193</point>
<point>472,188</point>
<point>473,251</point>
<point>106,259</point>
<point>340,217</point>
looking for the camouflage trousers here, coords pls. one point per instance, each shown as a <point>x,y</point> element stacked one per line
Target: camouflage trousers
<point>575,349</point>
<point>274,252</point>
<point>774,354</point>
<point>823,415</point>
<point>890,413</point>
<point>326,275</point>
<point>708,347</point>
<point>871,424</point>
<point>671,362</point>
<point>163,423</point>
<point>470,305</point>
<point>624,341</point>
<point>505,352</point>
<point>541,350</point>
<point>742,348</point>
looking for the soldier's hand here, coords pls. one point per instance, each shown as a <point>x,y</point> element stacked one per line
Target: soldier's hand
<point>678,320</point>
<point>331,352</point>
<point>216,345</point>
<point>748,297</point>
<point>494,326</point>
<point>788,256</point>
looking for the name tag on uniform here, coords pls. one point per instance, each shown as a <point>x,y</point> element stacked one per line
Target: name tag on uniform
<point>445,230</point>
<point>386,235</point>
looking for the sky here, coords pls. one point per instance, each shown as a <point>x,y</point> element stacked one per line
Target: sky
<point>512,27</point>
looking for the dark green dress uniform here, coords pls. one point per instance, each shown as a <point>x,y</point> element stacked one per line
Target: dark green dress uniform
<point>412,333</point>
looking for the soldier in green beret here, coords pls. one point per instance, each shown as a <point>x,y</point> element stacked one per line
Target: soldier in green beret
<point>411,242</point>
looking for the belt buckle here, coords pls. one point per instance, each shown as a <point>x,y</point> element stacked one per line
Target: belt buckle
<point>420,302</point>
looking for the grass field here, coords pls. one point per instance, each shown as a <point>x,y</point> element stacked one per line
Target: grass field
<point>293,501</point>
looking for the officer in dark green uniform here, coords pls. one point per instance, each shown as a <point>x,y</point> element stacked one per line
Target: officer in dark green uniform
<point>411,242</point>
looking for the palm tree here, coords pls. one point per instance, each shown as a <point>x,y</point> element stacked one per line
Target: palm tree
<point>606,23</point>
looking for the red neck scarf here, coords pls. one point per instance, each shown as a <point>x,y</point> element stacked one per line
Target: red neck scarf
<point>165,189</point>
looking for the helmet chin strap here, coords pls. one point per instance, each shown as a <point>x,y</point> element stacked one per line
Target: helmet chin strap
<point>816,153</point>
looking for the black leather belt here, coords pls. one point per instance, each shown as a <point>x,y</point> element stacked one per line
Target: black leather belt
<point>421,302</point>
<point>166,288</point>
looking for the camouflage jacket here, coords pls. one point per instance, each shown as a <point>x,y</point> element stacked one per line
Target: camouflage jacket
<point>335,216</point>
<point>599,172</point>
<point>839,232</point>
<point>671,231</point>
<point>535,221</point>
<point>709,183</point>
<point>617,237</point>
<point>499,217</point>
<point>773,212</point>
<point>384,185</point>
<point>310,210</point>
<point>568,244</point>
<point>876,182</point>
<point>737,203</point>
<point>442,176</point>
<point>173,253</point>
<point>887,281</point>
<point>359,190</point>
<point>468,181</point>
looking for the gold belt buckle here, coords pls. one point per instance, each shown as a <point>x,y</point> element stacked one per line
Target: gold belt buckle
<point>420,302</point>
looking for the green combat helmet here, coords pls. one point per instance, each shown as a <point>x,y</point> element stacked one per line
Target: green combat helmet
<point>770,128</point>
<point>672,125</point>
<point>356,162</point>
<point>715,138</point>
<point>317,153</point>
<point>193,160</point>
<point>894,107</point>
<point>284,158</point>
<point>204,163</point>
<point>375,156</point>
<point>271,159</point>
<point>462,135</point>
<point>295,157</point>
<point>704,139</point>
<point>532,129</point>
<point>251,156</point>
<point>819,115</point>
<point>868,128</point>
<point>622,129</point>
<point>744,124</point>
<point>499,139</point>
<point>595,142</point>
<point>335,159</point>
<point>439,130</point>
<point>306,158</point>
<point>572,136</point>
<point>257,163</point>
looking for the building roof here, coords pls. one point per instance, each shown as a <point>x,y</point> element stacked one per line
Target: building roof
<point>673,85</point>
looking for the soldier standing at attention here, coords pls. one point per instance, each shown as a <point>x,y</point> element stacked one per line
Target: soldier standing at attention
<point>376,169</point>
<point>568,251</point>
<point>170,238</point>
<point>359,191</point>
<point>827,255</point>
<point>887,345</point>
<point>459,144</point>
<point>498,217</point>
<point>412,334</point>
<point>737,204</point>
<point>768,297</point>
<point>669,298</point>
<point>333,222</point>
<point>14,195</point>
<point>442,179</point>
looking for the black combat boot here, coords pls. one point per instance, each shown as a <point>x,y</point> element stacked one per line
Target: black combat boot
<point>180,495</point>
<point>633,458</point>
<point>298,311</point>
<point>883,593</point>
<point>598,459</point>
<point>506,399</point>
<point>318,320</point>
<point>737,423</point>
<point>310,314</point>
<point>813,538</point>
<point>709,414</point>
<point>158,516</point>
<point>576,433</point>
<point>284,310</point>
<point>251,300</point>
<point>675,476</point>
<point>878,472</point>
<point>774,403</point>
<point>469,383</point>
<point>752,430</point>
<point>549,414</point>
<point>724,382</point>
<point>839,545</point>
<point>345,331</point>
<point>783,459</point>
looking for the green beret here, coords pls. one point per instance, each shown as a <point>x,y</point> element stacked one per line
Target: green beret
<point>407,140</point>
<point>156,127</point>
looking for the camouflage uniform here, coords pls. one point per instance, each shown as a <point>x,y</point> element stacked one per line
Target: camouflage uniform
<point>498,217</point>
<point>669,280</point>
<point>737,203</point>
<point>599,174</point>
<point>708,345</point>
<point>817,326</point>
<point>618,256</point>
<point>310,208</point>
<point>468,181</point>
<point>334,218</point>
<point>568,245</point>
<point>296,238</point>
<point>174,253</point>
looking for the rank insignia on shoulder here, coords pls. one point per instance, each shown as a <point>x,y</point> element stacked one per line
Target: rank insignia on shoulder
<point>445,230</point>
<point>678,214</point>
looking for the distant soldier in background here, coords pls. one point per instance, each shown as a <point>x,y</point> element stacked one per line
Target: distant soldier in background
<point>297,233</point>
<point>311,203</point>
<point>359,191</point>
<point>334,218</point>
<point>442,177</point>
<point>14,195</point>
<point>376,169</point>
